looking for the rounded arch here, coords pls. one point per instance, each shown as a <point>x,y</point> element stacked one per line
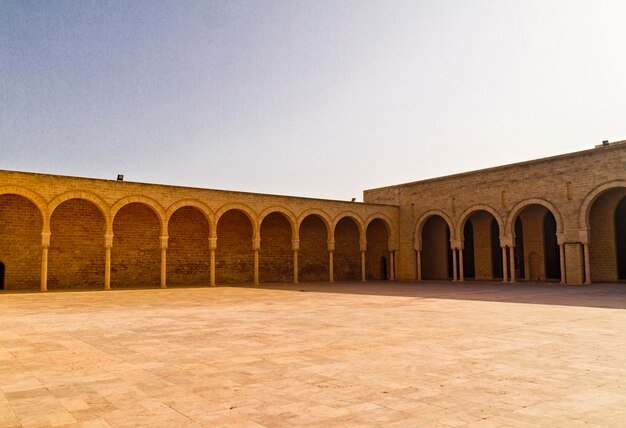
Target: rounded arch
<point>154,205</point>
<point>386,221</point>
<point>419,225</point>
<point>249,212</point>
<point>585,207</point>
<point>87,196</point>
<point>290,216</point>
<point>200,206</point>
<point>510,222</point>
<point>33,197</point>
<point>319,213</point>
<point>478,207</point>
<point>355,217</point>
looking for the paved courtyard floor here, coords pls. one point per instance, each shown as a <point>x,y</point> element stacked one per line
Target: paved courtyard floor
<point>347,354</point>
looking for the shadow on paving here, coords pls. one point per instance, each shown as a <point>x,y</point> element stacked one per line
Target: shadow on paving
<point>596,296</point>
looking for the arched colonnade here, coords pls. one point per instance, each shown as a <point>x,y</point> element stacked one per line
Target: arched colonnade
<point>527,243</point>
<point>136,240</point>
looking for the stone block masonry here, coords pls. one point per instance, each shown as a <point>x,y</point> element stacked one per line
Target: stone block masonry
<point>559,219</point>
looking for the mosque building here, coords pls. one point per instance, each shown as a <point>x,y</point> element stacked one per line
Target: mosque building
<point>560,219</point>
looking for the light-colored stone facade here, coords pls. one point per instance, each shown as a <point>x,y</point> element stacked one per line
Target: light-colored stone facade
<point>570,209</point>
<point>67,232</point>
<point>557,218</point>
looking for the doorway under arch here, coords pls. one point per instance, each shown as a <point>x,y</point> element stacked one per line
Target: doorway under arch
<point>469,267</point>
<point>607,240</point>
<point>537,253</point>
<point>436,250</point>
<point>1,276</point>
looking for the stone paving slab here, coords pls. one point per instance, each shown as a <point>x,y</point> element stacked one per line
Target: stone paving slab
<point>432,354</point>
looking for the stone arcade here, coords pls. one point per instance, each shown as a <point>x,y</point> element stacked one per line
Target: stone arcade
<point>560,219</point>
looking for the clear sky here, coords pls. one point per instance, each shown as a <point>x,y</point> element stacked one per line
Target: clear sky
<point>310,98</point>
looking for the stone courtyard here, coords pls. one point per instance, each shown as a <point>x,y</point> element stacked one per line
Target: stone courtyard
<point>345,354</point>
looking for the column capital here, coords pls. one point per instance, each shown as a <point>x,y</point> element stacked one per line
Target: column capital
<point>583,235</point>
<point>45,239</point>
<point>456,244</point>
<point>295,244</point>
<point>506,241</point>
<point>212,243</point>
<point>363,246</point>
<point>108,240</point>
<point>331,245</point>
<point>256,244</point>
<point>164,242</point>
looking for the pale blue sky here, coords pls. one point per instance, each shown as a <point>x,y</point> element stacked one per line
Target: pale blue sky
<point>309,98</point>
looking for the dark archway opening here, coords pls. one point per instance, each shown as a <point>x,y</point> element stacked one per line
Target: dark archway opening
<point>1,276</point>
<point>469,268</point>
<point>347,258</point>
<point>313,255</point>
<point>450,257</point>
<point>552,257</point>
<point>496,251</point>
<point>436,255</point>
<point>519,249</point>
<point>620,238</point>
<point>377,249</point>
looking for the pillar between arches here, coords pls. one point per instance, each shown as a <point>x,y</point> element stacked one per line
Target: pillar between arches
<point>256,246</point>
<point>164,240</point>
<point>512,264</point>
<point>331,272</point>
<point>45,245</point>
<point>212,248</point>
<point>454,277</point>
<point>295,245</point>
<point>419,264</point>
<point>505,265</point>
<point>108,244</point>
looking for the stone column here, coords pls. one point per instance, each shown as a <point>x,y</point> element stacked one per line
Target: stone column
<point>454,264</point>
<point>295,245</point>
<point>504,265</point>
<point>45,244</point>
<point>108,244</point>
<point>461,273</point>
<point>587,263</point>
<point>419,265</point>
<point>164,261</point>
<point>512,263</point>
<point>363,248</point>
<point>562,257</point>
<point>331,272</point>
<point>392,265</point>
<point>256,246</point>
<point>212,248</point>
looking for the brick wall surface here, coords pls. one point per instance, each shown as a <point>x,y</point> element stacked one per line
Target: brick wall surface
<point>566,185</point>
<point>435,249</point>
<point>562,183</point>
<point>234,256</point>
<point>76,255</point>
<point>347,251</point>
<point>602,243</point>
<point>188,253</point>
<point>481,222</point>
<point>532,226</point>
<point>377,249</point>
<point>20,242</point>
<point>136,252</point>
<point>313,254</point>
<point>276,254</point>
